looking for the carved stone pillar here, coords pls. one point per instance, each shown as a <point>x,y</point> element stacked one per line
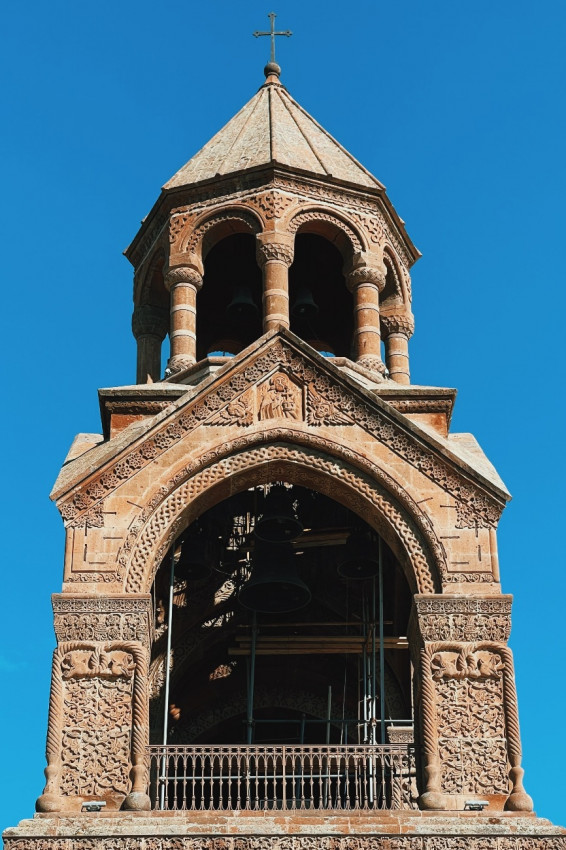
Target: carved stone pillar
<point>468,704</point>
<point>183,282</point>
<point>397,330</point>
<point>98,709</point>
<point>366,283</point>
<point>274,253</point>
<point>149,326</point>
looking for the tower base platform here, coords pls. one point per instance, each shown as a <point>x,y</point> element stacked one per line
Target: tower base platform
<point>290,831</point>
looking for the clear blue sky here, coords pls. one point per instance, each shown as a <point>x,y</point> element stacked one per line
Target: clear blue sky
<point>458,107</point>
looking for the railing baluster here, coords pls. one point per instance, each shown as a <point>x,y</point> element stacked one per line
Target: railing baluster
<point>220,778</point>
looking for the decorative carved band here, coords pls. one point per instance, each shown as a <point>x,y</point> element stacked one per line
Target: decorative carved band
<point>451,838</point>
<point>397,324</point>
<point>324,216</point>
<point>464,619</point>
<point>102,619</point>
<point>373,489</point>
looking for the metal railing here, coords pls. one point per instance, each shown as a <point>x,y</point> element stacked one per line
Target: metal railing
<point>252,778</point>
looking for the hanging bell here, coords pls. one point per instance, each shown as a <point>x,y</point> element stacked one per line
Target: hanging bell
<point>195,560</point>
<point>304,306</point>
<point>360,559</point>
<point>274,586</point>
<point>242,307</point>
<point>278,523</point>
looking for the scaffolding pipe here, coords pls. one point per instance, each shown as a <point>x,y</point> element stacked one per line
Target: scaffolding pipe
<point>251,682</point>
<point>381,648</point>
<point>167,676</point>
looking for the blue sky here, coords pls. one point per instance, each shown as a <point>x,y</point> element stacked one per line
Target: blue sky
<point>457,107</point>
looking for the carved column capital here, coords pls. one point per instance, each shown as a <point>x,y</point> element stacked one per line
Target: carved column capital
<point>397,323</point>
<point>150,321</point>
<point>183,275</point>
<point>461,618</point>
<point>274,248</point>
<point>366,274</point>
<point>103,618</point>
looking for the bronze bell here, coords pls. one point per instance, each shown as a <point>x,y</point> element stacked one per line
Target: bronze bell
<point>196,559</point>
<point>242,307</point>
<point>274,586</point>
<point>360,559</point>
<point>304,306</point>
<point>278,522</point>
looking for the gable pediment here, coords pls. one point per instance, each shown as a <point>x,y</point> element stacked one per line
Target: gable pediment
<point>278,380</point>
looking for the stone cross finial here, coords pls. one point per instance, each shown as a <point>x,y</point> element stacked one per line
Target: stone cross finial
<point>272,33</point>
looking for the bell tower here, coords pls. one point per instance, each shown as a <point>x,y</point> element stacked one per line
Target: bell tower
<point>281,619</point>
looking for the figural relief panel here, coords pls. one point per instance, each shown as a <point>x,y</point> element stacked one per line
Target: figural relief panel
<point>326,403</point>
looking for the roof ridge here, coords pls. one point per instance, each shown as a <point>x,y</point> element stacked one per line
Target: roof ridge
<point>306,138</point>
<point>332,139</point>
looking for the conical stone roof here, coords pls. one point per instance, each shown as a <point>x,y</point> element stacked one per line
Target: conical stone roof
<point>273,129</point>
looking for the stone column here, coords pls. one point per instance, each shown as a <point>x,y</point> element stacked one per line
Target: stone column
<point>98,726</point>
<point>183,282</point>
<point>467,703</point>
<point>274,253</point>
<point>149,326</point>
<point>397,331</point>
<point>366,283</point>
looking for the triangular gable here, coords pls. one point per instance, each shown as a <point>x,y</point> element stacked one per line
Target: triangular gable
<point>279,377</point>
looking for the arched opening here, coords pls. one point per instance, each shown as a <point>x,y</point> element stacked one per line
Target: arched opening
<point>392,293</point>
<point>229,303</point>
<point>315,659</point>
<point>304,654</point>
<point>320,306</point>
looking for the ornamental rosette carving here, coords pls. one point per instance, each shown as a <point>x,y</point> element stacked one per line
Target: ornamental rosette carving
<point>272,204</point>
<point>399,323</point>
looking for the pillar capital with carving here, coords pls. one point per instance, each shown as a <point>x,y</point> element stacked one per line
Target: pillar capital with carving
<point>149,326</point>
<point>275,252</point>
<point>397,329</point>
<point>365,281</point>
<point>183,282</point>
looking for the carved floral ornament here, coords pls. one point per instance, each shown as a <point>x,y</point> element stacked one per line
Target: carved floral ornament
<point>470,726</point>
<point>474,507</point>
<point>98,721</point>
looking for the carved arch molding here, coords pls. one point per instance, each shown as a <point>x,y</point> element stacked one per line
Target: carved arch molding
<point>364,488</point>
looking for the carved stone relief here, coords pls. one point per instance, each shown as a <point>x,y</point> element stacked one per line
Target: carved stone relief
<point>102,619</point>
<point>470,729</point>
<point>464,619</point>
<point>163,518</point>
<point>279,398</point>
<point>98,718</point>
<point>282,841</point>
<point>473,507</point>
